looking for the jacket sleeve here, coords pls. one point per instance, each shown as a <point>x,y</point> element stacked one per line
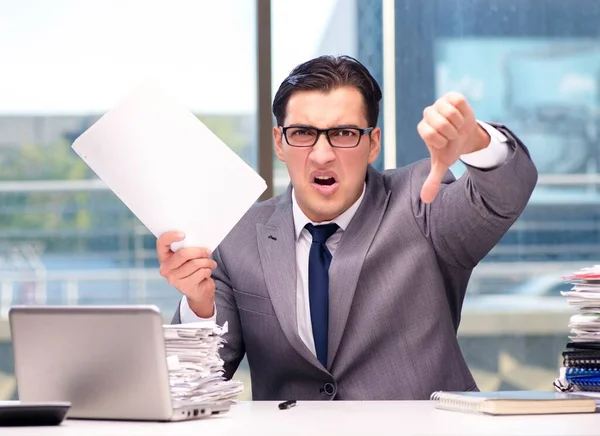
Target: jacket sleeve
<point>470,215</point>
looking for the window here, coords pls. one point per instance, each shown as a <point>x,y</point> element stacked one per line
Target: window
<point>65,238</point>
<point>532,65</point>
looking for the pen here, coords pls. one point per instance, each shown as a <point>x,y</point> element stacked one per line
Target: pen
<point>287,404</point>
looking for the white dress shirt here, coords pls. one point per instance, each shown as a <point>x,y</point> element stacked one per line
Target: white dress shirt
<point>495,154</point>
<point>303,243</point>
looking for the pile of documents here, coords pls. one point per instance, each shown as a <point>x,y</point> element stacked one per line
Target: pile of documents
<point>584,296</point>
<point>581,357</point>
<point>195,367</point>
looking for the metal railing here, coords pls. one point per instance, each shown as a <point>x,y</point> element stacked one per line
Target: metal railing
<point>147,286</point>
<point>25,276</point>
<point>98,287</point>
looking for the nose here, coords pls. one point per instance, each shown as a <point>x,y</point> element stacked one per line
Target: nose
<point>322,153</point>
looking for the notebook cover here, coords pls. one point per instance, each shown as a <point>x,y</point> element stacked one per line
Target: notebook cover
<point>584,345</point>
<point>513,395</point>
<point>503,402</point>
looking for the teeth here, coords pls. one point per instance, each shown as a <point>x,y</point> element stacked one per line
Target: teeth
<point>323,177</point>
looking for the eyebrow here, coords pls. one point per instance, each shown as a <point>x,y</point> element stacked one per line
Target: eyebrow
<point>342,126</point>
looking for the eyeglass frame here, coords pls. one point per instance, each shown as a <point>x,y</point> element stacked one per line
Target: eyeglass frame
<point>363,132</point>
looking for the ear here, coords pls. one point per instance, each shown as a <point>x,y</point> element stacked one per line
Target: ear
<point>278,141</point>
<point>375,145</point>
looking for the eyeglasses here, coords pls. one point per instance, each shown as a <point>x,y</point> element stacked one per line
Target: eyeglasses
<point>339,137</point>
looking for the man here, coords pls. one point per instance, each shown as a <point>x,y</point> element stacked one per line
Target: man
<point>349,285</point>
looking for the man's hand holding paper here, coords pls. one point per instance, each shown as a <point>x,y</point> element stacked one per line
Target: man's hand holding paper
<point>188,269</point>
<point>169,169</point>
<point>179,179</point>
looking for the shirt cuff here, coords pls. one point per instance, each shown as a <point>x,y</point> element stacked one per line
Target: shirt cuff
<point>186,314</point>
<point>494,155</point>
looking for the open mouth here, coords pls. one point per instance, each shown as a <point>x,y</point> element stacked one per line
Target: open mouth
<point>325,184</point>
<point>324,180</point>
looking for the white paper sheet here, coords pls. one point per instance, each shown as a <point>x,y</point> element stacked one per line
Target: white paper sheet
<point>169,169</point>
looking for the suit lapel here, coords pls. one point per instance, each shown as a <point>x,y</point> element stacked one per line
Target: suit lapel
<point>349,257</point>
<point>277,250</point>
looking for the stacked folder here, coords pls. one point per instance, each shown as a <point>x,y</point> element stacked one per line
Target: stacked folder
<point>195,367</point>
<point>581,357</point>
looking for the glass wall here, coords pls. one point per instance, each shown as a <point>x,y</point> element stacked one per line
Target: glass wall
<point>530,64</point>
<point>534,66</point>
<point>64,237</point>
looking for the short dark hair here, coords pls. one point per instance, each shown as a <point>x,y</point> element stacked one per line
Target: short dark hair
<point>326,73</point>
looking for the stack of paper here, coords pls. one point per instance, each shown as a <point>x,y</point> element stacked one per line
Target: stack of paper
<point>585,327</point>
<point>581,357</point>
<point>585,297</point>
<point>195,368</point>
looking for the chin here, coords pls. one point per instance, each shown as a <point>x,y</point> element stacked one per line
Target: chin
<point>327,213</point>
<point>321,208</point>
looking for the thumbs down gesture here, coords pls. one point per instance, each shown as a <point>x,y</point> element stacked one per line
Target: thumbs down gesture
<point>449,130</point>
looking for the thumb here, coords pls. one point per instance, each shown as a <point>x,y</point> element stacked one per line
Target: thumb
<point>163,243</point>
<point>434,180</point>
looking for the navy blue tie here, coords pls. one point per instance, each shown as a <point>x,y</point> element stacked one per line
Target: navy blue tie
<point>318,286</point>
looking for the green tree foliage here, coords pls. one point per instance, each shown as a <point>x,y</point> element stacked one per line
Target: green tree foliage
<point>78,220</point>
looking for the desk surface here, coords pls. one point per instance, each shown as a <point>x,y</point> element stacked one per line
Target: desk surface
<point>327,418</point>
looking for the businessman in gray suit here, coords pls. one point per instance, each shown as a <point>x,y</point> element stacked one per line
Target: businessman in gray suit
<point>350,285</point>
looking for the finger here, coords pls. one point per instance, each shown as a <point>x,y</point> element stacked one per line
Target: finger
<point>451,113</point>
<point>163,243</point>
<point>439,123</point>
<point>433,182</point>
<point>430,136</point>
<point>188,268</point>
<point>459,101</point>
<point>186,254</point>
<point>189,284</point>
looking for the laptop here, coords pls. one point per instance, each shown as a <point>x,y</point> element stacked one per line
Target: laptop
<point>109,362</point>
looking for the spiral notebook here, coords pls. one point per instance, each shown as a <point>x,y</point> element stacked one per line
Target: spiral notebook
<point>584,377</point>
<point>513,402</point>
<point>581,358</point>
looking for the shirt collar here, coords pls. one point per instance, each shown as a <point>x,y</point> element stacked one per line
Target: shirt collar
<point>300,219</point>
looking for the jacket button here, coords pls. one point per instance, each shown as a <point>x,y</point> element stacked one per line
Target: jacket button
<point>329,389</point>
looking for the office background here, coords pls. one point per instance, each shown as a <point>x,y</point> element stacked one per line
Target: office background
<point>531,64</point>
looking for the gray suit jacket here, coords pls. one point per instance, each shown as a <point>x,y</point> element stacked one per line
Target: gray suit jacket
<point>397,283</point>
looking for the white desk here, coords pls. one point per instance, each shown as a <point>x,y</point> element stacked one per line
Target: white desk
<point>329,418</point>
